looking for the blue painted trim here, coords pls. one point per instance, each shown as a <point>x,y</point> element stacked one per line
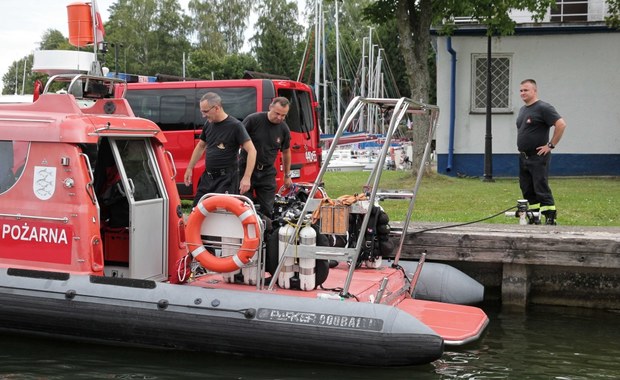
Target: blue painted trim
<point>507,165</point>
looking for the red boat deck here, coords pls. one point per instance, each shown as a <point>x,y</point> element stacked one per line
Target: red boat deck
<point>456,324</point>
<point>363,288</point>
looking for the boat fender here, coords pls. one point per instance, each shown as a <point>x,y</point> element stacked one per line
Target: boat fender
<point>251,230</point>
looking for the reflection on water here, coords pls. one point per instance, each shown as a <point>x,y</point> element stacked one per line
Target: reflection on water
<point>543,343</point>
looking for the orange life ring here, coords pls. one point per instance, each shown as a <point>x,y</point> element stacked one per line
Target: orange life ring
<point>251,238</point>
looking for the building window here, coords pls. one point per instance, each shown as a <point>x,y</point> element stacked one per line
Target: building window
<point>569,10</point>
<point>500,75</point>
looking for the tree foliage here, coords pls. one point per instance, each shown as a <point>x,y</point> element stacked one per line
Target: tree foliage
<point>13,79</point>
<point>151,34</point>
<point>277,38</point>
<point>613,7</point>
<point>206,64</point>
<point>220,25</point>
<point>53,39</point>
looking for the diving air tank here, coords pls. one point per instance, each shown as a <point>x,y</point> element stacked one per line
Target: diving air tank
<point>307,267</point>
<point>284,234</point>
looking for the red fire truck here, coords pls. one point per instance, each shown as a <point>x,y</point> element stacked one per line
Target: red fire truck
<point>173,106</point>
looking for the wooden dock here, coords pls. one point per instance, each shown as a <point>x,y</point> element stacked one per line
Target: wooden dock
<point>521,265</point>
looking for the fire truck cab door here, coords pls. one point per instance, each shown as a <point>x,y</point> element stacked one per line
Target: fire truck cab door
<point>148,205</point>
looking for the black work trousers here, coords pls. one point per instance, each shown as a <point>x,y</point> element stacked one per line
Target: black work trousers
<point>263,189</point>
<point>217,181</point>
<point>534,178</point>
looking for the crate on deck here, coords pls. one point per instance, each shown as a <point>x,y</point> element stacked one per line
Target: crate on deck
<point>334,219</point>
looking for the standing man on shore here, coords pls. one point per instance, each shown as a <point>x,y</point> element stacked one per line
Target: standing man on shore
<point>270,134</point>
<point>535,120</point>
<point>221,137</point>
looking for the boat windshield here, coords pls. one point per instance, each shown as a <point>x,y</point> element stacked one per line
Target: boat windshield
<point>12,160</point>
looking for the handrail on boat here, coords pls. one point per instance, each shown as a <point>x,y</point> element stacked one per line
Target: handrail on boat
<point>85,86</point>
<point>400,107</point>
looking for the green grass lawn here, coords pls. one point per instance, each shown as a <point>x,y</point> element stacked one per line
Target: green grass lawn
<point>580,201</point>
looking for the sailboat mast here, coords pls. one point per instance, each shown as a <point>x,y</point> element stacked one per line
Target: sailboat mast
<point>16,73</point>
<point>371,53</point>
<point>338,93</point>
<point>24,77</point>
<point>324,61</point>
<point>363,112</point>
<point>317,58</point>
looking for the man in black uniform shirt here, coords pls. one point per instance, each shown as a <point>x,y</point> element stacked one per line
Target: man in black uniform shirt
<point>270,134</point>
<point>221,137</point>
<point>533,124</point>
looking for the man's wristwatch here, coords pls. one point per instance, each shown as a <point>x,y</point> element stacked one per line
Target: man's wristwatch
<point>289,175</point>
<point>550,145</point>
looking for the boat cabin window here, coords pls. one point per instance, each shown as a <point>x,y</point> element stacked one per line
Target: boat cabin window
<point>109,187</point>
<point>13,156</point>
<point>138,168</point>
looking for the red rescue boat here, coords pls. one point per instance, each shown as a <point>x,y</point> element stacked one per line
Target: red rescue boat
<point>93,244</point>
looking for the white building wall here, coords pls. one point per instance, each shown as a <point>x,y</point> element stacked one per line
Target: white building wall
<point>578,73</point>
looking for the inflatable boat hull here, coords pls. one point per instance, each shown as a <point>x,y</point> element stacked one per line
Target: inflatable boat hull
<point>176,316</point>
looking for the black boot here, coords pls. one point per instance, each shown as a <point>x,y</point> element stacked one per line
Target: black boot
<point>550,217</point>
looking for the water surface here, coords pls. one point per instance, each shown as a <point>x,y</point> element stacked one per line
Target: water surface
<point>541,343</point>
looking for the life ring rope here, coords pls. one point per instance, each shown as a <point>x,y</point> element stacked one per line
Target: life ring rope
<point>251,232</point>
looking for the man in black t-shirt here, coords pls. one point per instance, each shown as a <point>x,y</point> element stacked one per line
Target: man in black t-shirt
<point>533,124</point>
<point>221,137</point>
<point>270,134</point>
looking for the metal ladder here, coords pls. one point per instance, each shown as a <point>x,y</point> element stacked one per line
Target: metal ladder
<point>399,108</point>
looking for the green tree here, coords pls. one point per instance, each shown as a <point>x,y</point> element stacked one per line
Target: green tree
<point>170,39</point>
<point>53,39</point>
<point>206,64</point>
<point>613,7</point>
<point>276,42</point>
<point>13,78</point>
<point>149,36</point>
<point>398,85</point>
<point>220,25</point>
